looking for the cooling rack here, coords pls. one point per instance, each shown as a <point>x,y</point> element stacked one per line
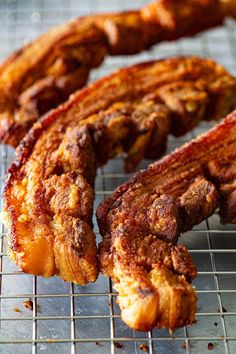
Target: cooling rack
<point>71,319</point>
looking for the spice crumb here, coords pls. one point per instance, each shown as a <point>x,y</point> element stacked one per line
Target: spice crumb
<point>143,347</point>
<point>210,346</point>
<point>16,309</point>
<point>223,309</point>
<point>215,324</point>
<point>118,345</point>
<point>28,304</point>
<point>97,343</point>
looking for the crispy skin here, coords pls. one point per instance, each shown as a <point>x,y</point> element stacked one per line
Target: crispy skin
<point>45,72</point>
<point>142,220</point>
<point>49,197</point>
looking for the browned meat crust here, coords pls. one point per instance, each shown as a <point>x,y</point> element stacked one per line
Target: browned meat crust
<point>45,72</point>
<point>49,198</point>
<point>142,220</point>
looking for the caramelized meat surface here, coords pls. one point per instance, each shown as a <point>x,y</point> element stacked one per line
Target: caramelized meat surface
<point>49,195</point>
<point>142,220</point>
<point>46,71</point>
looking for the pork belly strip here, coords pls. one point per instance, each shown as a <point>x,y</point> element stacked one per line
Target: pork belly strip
<point>142,220</point>
<point>49,195</point>
<point>45,72</point>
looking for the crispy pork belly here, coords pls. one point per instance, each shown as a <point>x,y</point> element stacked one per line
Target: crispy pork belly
<point>142,220</point>
<point>46,71</point>
<point>49,195</point>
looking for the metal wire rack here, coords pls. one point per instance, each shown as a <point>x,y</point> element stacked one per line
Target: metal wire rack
<point>73,319</point>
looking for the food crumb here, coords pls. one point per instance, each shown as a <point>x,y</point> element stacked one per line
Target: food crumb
<point>210,346</point>
<point>143,347</point>
<point>118,345</point>
<point>215,324</point>
<point>223,309</point>
<point>16,309</point>
<point>28,304</point>
<point>97,343</point>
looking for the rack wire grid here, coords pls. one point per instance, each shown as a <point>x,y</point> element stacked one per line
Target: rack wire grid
<point>74,319</point>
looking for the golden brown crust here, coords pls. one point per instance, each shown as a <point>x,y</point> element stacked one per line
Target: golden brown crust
<point>150,210</point>
<point>48,196</point>
<point>45,72</point>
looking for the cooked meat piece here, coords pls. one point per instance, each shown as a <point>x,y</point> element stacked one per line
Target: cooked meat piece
<point>49,197</point>
<point>142,220</point>
<point>46,71</point>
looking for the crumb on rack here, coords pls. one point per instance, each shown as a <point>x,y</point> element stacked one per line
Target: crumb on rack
<point>143,347</point>
<point>28,304</point>
<point>97,343</point>
<point>118,345</point>
<point>215,324</point>
<point>16,309</point>
<point>210,346</point>
<point>223,309</point>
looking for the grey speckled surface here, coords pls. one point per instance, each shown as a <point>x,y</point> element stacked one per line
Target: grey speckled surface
<point>96,314</point>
